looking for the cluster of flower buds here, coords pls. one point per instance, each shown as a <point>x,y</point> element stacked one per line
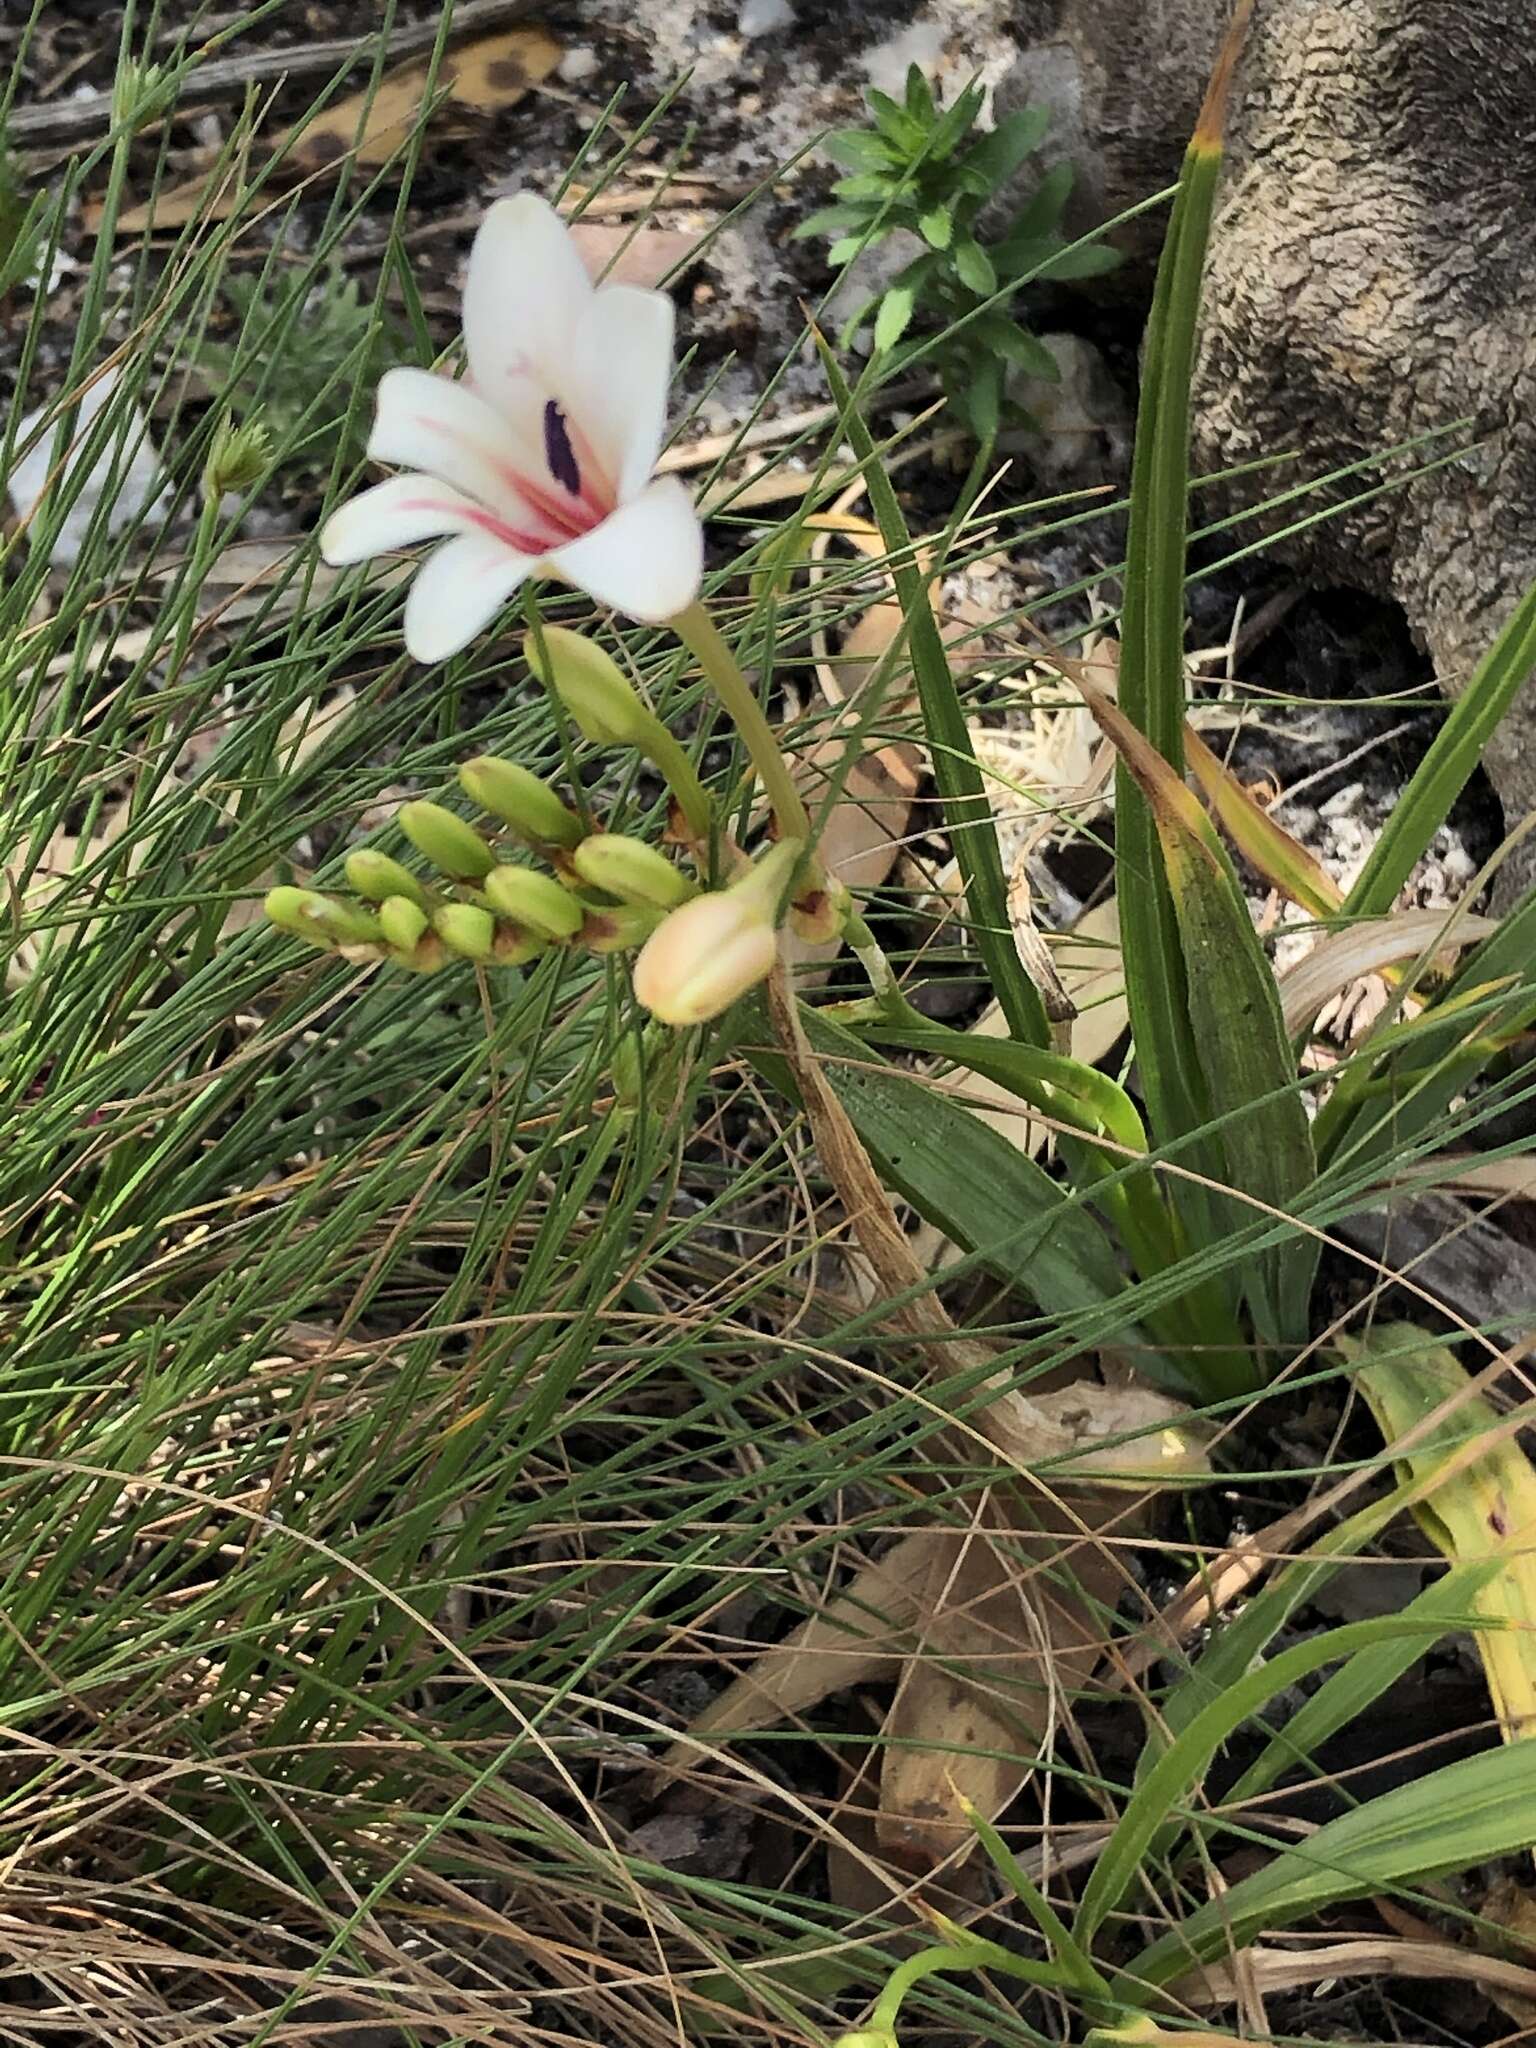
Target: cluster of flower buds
<point>600,891</point>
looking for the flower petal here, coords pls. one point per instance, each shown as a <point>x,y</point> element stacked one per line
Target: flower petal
<point>430,423</point>
<point>526,289</point>
<point>395,514</point>
<point>646,559</point>
<point>459,589</point>
<point>620,369</point>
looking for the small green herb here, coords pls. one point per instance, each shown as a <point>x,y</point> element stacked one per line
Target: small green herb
<point>302,348</point>
<point>921,168</point>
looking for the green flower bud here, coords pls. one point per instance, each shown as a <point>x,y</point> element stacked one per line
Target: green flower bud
<point>514,948</point>
<point>425,958</point>
<point>289,910</point>
<point>636,1059</point>
<point>616,929</point>
<point>466,929</point>
<point>520,800</point>
<point>322,919</point>
<point>591,686</point>
<point>377,877</point>
<point>238,460</point>
<point>533,901</point>
<point>402,922</point>
<point>141,91</point>
<point>632,871</point>
<point>348,924</point>
<point>446,841</point>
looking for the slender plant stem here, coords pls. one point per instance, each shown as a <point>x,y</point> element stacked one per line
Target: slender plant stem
<point>671,759</point>
<point>699,634</point>
<point>960,1955</point>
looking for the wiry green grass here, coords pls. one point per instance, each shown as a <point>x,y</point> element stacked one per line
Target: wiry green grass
<point>393,1433</point>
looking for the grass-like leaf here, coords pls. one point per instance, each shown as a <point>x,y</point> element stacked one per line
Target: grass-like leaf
<point>1234,1009</point>
<point>1440,777</point>
<point>967,814</point>
<point>1468,1812</point>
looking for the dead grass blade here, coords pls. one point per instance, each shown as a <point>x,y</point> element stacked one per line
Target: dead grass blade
<point>1278,1969</point>
<point>1336,962</point>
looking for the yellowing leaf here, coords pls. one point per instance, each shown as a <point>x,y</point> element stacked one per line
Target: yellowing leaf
<point>1280,859</point>
<point>1473,1503</point>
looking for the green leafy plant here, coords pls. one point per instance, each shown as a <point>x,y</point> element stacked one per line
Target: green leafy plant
<point>920,169</point>
<point>304,339</point>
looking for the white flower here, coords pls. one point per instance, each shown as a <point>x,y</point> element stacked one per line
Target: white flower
<point>540,463</point>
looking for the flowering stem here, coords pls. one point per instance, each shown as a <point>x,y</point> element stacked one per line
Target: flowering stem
<point>670,758</point>
<point>698,633</point>
<point>871,957</point>
<point>965,1954</point>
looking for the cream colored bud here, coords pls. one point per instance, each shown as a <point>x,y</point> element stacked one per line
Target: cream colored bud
<point>703,956</point>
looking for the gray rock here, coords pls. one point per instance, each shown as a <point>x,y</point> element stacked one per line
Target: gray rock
<point>870,272</point>
<point>1082,423</point>
<point>1372,277</point>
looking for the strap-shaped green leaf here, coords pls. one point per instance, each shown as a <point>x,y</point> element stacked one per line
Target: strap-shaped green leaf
<point>973,1185</point>
<point>1249,1070</point>
<point>1444,771</point>
<point>1152,691</point>
<point>967,813</point>
<point>1473,1811</point>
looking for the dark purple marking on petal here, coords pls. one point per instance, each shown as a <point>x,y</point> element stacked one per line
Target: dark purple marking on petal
<point>558,452</point>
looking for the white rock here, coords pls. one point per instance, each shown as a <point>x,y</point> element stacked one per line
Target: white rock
<point>763,17</point>
<point>885,66</point>
<point>125,470</point>
<point>576,66</point>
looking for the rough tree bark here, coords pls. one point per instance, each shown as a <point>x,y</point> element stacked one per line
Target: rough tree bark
<point>1372,276</point>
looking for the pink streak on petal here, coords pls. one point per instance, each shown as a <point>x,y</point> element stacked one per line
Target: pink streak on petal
<point>523,542</point>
